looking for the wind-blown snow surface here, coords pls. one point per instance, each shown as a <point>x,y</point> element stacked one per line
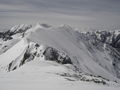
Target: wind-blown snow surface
<point>56,58</point>
<point>64,38</point>
<point>38,75</point>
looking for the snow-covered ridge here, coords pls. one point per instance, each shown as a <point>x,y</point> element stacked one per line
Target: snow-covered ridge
<point>30,51</point>
<point>10,37</point>
<point>106,41</point>
<point>24,52</point>
<point>18,29</point>
<point>92,53</point>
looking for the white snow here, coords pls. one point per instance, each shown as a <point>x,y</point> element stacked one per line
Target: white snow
<point>12,53</point>
<point>64,39</point>
<point>40,74</point>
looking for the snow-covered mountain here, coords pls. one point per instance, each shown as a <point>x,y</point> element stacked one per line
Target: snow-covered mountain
<point>57,54</point>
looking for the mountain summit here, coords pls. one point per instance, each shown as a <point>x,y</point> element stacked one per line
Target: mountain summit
<point>43,51</point>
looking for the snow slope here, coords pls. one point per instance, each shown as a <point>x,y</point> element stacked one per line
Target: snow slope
<point>64,39</point>
<point>57,58</point>
<point>37,75</point>
<point>13,52</point>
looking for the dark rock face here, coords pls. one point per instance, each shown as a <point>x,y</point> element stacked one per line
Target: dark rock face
<point>25,57</point>
<point>54,55</point>
<point>50,54</point>
<point>6,35</point>
<point>105,37</point>
<point>116,41</point>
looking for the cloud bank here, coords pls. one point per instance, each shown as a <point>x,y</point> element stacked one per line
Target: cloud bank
<point>78,13</point>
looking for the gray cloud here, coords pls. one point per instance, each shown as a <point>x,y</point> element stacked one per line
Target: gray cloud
<point>77,5</point>
<point>74,12</point>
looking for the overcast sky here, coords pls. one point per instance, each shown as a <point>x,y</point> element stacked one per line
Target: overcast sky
<point>78,13</point>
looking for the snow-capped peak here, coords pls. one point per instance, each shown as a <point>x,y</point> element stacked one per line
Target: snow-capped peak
<point>94,54</point>
<point>18,28</point>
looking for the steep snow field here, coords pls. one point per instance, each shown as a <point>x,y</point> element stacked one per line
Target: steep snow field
<point>64,38</point>
<point>12,53</point>
<point>44,57</point>
<point>37,75</point>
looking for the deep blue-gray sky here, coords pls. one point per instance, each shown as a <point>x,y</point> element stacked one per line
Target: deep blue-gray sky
<point>78,13</point>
